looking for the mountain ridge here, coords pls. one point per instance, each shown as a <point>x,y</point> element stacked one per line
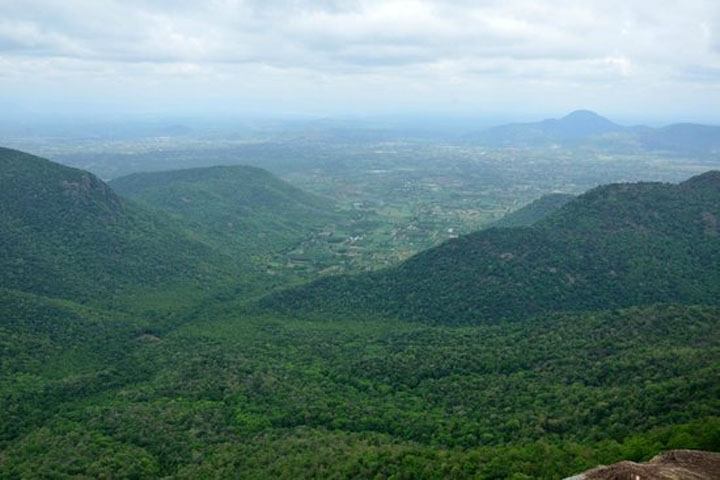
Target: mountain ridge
<point>615,246</point>
<point>533,211</point>
<point>239,209</point>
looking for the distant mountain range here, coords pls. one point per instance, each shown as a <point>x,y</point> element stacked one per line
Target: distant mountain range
<point>615,246</point>
<point>584,126</point>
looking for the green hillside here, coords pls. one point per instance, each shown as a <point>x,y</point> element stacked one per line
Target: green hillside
<point>236,208</point>
<point>53,352</point>
<point>615,246</point>
<point>534,211</point>
<point>64,233</point>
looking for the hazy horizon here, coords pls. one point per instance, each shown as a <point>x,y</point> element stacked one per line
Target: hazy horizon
<point>642,62</point>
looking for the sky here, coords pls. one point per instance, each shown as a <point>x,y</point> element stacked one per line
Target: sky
<point>628,59</point>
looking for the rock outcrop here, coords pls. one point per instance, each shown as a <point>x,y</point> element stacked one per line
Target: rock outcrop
<point>671,465</point>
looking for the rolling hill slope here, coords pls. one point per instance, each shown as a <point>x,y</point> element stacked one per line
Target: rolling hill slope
<point>64,233</point>
<point>615,246</point>
<point>235,208</point>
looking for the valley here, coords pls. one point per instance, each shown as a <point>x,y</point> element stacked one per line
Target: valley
<point>324,309</point>
<point>396,193</point>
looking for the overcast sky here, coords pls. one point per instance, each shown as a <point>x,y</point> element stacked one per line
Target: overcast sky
<point>632,59</point>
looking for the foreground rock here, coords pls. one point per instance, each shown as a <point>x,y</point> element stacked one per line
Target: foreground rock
<point>671,465</point>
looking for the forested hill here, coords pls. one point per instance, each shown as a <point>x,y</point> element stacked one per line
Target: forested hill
<point>65,233</point>
<point>235,207</point>
<point>614,246</point>
<point>534,211</point>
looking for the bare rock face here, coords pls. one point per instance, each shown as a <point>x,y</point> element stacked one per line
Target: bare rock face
<point>671,465</point>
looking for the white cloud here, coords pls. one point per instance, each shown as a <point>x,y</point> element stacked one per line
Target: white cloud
<point>370,52</point>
